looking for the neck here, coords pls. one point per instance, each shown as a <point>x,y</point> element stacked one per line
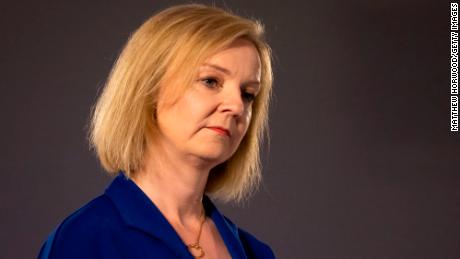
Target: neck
<point>176,187</point>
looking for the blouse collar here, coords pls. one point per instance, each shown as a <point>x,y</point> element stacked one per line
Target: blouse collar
<point>138,211</point>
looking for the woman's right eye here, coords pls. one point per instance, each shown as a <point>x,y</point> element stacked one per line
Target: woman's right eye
<point>210,82</point>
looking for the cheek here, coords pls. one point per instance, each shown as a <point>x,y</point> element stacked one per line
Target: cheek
<point>191,112</point>
<point>194,107</point>
<point>249,115</point>
<point>176,118</point>
<point>245,121</point>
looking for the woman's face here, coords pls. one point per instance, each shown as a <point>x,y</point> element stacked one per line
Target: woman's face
<point>208,122</point>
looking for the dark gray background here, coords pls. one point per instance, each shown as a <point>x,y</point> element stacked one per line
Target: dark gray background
<point>361,164</point>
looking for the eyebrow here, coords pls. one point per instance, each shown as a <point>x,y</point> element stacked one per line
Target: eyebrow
<point>221,69</point>
<point>227,72</point>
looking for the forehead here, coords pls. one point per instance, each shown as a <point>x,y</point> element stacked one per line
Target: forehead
<point>240,58</point>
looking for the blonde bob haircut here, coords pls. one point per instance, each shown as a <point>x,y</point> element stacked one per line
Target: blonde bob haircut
<point>172,45</point>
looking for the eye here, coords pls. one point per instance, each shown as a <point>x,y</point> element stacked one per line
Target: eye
<point>247,96</point>
<point>210,82</point>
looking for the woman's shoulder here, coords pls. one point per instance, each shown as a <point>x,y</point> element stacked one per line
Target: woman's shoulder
<point>84,230</point>
<point>253,247</point>
<point>96,215</point>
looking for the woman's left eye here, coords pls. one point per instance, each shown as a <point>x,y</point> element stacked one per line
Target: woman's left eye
<point>248,97</point>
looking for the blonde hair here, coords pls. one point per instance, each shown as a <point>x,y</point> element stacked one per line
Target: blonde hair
<point>174,43</point>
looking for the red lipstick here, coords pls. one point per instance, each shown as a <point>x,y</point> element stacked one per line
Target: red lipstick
<point>221,131</point>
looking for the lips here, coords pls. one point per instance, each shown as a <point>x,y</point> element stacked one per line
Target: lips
<point>220,130</point>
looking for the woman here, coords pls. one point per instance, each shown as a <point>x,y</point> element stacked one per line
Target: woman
<point>181,117</point>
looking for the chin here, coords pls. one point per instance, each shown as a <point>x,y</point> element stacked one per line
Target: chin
<point>212,152</point>
<point>215,156</point>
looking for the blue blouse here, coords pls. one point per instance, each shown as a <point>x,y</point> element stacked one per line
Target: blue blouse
<point>124,223</point>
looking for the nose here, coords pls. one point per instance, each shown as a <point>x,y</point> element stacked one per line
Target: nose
<point>232,102</point>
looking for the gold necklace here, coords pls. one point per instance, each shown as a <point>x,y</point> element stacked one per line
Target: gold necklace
<point>196,245</point>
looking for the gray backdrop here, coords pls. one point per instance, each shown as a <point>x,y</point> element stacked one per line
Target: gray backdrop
<point>361,163</point>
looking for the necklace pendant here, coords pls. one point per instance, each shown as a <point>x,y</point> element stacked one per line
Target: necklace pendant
<point>197,248</point>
